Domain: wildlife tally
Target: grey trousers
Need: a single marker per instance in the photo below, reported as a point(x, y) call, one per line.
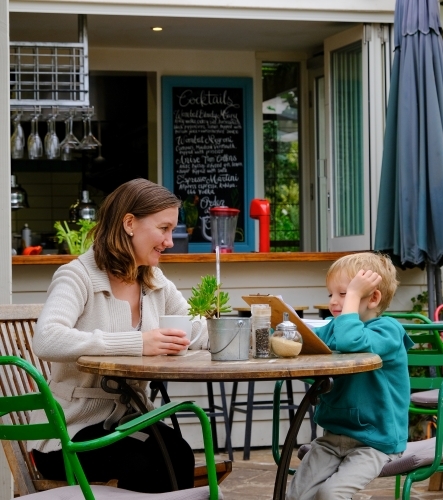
point(335, 468)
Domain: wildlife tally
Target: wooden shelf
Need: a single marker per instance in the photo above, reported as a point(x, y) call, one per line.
point(198, 257)
point(57, 260)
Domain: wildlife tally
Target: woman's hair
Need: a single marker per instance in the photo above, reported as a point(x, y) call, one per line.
point(113, 249)
point(379, 263)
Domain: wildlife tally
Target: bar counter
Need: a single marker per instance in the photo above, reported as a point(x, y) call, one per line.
point(299, 277)
point(198, 257)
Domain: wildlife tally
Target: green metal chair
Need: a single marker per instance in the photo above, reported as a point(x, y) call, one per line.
point(428, 356)
point(423, 458)
point(425, 383)
point(421, 330)
point(55, 428)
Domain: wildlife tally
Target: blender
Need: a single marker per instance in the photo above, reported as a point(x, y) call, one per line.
point(223, 227)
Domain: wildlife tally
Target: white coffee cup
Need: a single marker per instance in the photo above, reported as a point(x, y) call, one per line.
point(184, 323)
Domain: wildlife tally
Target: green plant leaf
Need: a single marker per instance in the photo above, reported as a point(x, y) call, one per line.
point(78, 241)
point(207, 300)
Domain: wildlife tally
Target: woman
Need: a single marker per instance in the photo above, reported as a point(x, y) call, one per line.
point(108, 302)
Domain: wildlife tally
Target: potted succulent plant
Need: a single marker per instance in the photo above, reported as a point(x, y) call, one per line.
point(207, 300)
point(228, 336)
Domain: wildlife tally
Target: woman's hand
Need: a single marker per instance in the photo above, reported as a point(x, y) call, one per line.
point(164, 341)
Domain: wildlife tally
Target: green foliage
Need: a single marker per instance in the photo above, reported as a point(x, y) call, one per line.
point(420, 303)
point(239, 234)
point(78, 241)
point(281, 80)
point(419, 371)
point(207, 300)
point(281, 171)
point(191, 211)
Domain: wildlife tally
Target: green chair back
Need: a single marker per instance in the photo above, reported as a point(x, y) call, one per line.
point(13, 428)
point(421, 329)
point(425, 359)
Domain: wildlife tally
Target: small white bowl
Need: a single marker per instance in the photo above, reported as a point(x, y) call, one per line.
point(315, 323)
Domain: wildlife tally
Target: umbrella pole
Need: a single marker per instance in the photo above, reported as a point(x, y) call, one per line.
point(430, 270)
point(438, 286)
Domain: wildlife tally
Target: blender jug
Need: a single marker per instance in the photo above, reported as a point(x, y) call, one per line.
point(223, 226)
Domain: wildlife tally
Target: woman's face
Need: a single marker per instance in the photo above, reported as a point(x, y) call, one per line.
point(151, 235)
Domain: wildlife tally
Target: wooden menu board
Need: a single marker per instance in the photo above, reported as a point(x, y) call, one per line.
point(311, 343)
point(208, 152)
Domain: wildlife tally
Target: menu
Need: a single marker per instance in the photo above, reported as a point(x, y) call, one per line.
point(208, 132)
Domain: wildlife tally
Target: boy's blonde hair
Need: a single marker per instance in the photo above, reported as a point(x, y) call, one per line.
point(379, 263)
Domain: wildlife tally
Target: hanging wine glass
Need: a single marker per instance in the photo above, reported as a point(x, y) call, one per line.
point(88, 141)
point(70, 142)
point(65, 147)
point(17, 139)
point(35, 146)
point(99, 158)
point(52, 143)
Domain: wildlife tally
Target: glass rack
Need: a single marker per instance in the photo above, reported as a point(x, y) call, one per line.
point(50, 74)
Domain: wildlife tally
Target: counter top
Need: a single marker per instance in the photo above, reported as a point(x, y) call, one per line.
point(58, 260)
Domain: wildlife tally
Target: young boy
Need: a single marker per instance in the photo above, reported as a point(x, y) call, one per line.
point(365, 416)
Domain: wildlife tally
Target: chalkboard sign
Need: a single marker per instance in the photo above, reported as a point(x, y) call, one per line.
point(207, 152)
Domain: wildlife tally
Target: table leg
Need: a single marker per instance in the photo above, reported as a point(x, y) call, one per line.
point(321, 385)
point(159, 386)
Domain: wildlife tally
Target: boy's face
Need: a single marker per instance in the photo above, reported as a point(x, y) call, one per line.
point(337, 286)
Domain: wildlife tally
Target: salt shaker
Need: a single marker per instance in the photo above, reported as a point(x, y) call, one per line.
point(286, 341)
point(261, 329)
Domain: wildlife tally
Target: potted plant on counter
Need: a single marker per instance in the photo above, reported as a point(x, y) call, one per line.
point(229, 337)
point(77, 241)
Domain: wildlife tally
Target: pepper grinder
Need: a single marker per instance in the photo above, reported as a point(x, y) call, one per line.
point(261, 329)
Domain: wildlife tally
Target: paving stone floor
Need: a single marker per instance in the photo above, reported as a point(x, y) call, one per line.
point(254, 480)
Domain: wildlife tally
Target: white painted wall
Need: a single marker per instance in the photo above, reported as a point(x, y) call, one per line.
point(299, 283)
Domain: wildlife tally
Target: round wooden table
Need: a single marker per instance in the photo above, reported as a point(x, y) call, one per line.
point(198, 366)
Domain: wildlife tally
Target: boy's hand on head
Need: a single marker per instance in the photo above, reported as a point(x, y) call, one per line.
point(364, 283)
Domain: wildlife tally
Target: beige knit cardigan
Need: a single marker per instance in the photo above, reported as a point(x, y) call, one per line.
point(82, 317)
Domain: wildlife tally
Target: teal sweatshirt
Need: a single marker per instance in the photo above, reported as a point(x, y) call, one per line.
point(371, 407)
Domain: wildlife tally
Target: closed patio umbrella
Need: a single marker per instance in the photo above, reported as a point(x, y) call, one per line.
point(410, 209)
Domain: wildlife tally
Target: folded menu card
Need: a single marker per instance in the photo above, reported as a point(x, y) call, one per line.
point(311, 343)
